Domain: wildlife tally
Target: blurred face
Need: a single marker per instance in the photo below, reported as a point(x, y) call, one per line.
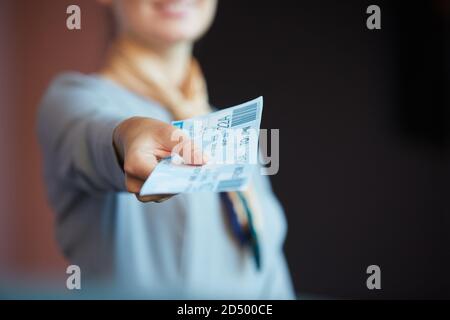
point(165, 22)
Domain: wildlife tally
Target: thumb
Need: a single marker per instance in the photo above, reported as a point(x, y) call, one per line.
point(178, 142)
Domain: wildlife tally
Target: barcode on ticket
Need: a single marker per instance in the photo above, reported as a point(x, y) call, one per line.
point(244, 115)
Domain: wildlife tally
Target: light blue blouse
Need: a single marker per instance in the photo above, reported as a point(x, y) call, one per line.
point(182, 248)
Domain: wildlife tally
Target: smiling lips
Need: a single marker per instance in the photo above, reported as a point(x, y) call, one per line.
point(175, 8)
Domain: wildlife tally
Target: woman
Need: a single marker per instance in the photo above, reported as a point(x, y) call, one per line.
point(101, 137)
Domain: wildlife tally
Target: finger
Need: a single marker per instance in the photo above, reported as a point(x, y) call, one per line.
point(133, 184)
point(178, 142)
point(140, 163)
point(161, 154)
point(154, 198)
point(169, 136)
point(192, 154)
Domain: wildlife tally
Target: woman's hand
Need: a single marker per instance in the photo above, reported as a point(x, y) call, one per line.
point(141, 142)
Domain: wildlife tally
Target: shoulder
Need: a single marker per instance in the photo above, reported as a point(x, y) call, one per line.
point(70, 95)
point(74, 83)
point(74, 89)
point(73, 94)
point(71, 90)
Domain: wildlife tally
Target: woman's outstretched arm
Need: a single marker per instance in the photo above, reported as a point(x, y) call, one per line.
point(96, 148)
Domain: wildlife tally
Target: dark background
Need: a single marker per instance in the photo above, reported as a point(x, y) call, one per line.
point(363, 128)
point(363, 119)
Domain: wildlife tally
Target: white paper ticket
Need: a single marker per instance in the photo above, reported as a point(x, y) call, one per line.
point(230, 139)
